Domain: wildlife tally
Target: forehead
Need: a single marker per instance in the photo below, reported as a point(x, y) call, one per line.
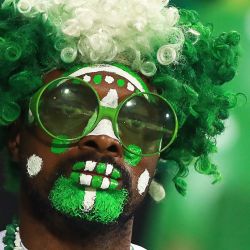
point(106, 77)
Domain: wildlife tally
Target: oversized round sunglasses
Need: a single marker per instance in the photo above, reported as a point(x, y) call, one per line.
point(69, 108)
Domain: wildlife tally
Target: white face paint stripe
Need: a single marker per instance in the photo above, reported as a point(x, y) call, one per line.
point(143, 182)
point(90, 165)
point(85, 179)
point(105, 183)
point(89, 199)
point(104, 127)
point(34, 165)
point(110, 100)
point(109, 169)
point(111, 69)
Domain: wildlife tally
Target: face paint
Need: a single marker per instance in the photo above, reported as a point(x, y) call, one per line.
point(109, 79)
point(87, 78)
point(143, 182)
point(89, 199)
point(105, 127)
point(97, 79)
point(92, 175)
point(130, 158)
point(130, 87)
point(87, 203)
point(132, 80)
point(30, 117)
point(34, 165)
point(111, 99)
point(59, 146)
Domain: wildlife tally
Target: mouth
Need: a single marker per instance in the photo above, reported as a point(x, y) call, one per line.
point(98, 175)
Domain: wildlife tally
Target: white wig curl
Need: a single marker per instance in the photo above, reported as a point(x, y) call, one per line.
point(138, 33)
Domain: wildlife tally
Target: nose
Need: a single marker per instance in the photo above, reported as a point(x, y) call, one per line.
point(102, 144)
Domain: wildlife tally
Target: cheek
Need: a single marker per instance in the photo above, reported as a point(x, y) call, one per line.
point(143, 173)
point(37, 157)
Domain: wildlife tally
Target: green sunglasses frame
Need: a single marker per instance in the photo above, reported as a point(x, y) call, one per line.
point(102, 112)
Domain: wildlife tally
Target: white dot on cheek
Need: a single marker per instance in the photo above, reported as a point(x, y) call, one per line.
point(143, 182)
point(34, 165)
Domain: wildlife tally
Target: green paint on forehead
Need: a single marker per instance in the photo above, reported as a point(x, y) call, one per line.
point(119, 69)
point(59, 146)
point(120, 82)
point(130, 158)
point(97, 79)
point(134, 74)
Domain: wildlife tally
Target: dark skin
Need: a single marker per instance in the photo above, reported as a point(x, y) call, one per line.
point(45, 228)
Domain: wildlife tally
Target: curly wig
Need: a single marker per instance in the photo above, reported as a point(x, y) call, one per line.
point(184, 60)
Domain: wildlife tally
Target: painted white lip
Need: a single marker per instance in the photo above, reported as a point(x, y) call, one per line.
point(106, 183)
point(90, 166)
point(99, 175)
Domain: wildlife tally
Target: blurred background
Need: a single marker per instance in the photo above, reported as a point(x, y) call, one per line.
point(210, 217)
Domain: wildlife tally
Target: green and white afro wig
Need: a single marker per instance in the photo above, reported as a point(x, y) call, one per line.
point(181, 56)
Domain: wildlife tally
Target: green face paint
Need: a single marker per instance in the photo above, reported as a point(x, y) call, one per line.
point(120, 82)
point(59, 146)
point(97, 79)
point(67, 197)
point(130, 158)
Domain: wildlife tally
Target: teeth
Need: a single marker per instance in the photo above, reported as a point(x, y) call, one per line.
point(109, 169)
point(90, 165)
point(85, 179)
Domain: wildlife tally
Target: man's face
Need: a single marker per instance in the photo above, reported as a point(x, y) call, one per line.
point(94, 179)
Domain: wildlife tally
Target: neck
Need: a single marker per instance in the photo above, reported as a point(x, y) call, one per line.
point(37, 234)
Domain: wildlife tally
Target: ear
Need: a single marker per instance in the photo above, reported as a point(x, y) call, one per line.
point(14, 141)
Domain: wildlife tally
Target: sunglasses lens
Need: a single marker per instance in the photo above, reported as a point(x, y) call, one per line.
point(148, 121)
point(66, 108)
